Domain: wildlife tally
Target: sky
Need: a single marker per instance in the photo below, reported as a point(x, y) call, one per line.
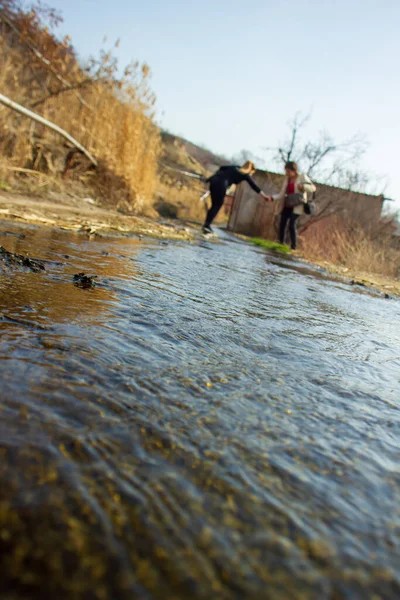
point(230, 75)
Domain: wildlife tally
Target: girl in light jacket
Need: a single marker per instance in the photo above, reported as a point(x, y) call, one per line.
point(294, 192)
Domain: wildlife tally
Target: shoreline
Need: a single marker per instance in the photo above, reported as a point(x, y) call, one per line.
point(376, 282)
point(69, 213)
point(85, 216)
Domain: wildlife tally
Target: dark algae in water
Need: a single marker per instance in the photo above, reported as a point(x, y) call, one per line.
point(11, 258)
point(84, 281)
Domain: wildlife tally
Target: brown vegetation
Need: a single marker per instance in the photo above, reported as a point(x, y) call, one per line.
point(372, 254)
point(179, 192)
point(109, 114)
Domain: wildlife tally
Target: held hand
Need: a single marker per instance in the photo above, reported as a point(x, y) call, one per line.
point(266, 197)
point(300, 187)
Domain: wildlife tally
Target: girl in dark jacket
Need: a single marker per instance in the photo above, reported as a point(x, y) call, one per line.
point(221, 181)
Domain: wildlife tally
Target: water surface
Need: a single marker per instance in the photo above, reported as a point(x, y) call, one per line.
point(209, 421)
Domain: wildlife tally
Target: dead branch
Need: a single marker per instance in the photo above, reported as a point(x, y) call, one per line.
point(28, 113)
point(60, 91)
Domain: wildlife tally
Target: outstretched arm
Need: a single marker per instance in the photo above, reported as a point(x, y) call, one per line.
point(252, 184)
point(281, 194)
point(256, 188)
point(265, 196)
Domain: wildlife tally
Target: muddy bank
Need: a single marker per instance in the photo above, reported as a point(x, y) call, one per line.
point(373, 281)
point(83, 214)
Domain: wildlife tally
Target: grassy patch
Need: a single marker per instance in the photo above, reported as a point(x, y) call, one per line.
point(268, 245)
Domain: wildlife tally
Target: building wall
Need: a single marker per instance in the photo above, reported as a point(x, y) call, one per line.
point(251, 214)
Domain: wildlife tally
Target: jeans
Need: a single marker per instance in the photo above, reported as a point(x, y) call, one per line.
point(288, 215)
point(217, 191)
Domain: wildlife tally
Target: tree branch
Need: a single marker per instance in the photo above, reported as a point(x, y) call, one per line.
point(60, 91)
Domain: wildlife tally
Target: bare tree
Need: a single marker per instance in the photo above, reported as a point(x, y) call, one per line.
point(325, 159)
point(287, 150)
point(331, 163)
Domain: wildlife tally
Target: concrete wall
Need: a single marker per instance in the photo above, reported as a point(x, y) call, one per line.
point(251, 214)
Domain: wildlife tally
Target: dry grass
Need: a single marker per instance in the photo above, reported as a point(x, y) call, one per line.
point(181, 199)
point(111, 115)
point(177, 194)
point(354, 248)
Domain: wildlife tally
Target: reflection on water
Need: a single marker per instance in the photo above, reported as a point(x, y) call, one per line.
point(49, 296)
point(206, 422)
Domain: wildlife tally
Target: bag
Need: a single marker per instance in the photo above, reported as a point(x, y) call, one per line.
point(292, 200)
point(310, 206)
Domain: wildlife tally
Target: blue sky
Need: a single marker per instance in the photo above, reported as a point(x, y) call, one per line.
point(231, 77)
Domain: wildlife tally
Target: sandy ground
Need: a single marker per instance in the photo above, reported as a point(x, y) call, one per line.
point(83, 215)
point(75, 214)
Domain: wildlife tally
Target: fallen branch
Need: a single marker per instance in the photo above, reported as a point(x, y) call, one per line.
point(28, 113)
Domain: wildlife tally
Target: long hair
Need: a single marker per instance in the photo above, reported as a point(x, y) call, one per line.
point(247, 168)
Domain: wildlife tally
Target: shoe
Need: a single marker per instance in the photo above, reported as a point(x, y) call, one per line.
point(207, 229)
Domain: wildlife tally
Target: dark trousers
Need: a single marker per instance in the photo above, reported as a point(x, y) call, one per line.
point(288, 215)
point(217, 192)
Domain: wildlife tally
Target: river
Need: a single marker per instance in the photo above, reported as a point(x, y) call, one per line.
point(210, 420)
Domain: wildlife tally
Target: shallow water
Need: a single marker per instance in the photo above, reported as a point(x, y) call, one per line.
point(210, 421)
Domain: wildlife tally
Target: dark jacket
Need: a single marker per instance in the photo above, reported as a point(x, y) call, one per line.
point(229, 175)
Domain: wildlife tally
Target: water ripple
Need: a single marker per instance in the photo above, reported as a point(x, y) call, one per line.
point(209, 421)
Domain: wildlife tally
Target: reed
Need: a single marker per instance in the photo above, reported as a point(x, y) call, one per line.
point(109, 110)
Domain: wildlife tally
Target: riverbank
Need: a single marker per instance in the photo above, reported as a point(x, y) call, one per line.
point(83, 214)
point(385, 285)
point(71, 213)
point(361, 278)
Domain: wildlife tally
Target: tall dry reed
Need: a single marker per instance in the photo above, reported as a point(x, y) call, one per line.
point(358, 249)
point(110, 113)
